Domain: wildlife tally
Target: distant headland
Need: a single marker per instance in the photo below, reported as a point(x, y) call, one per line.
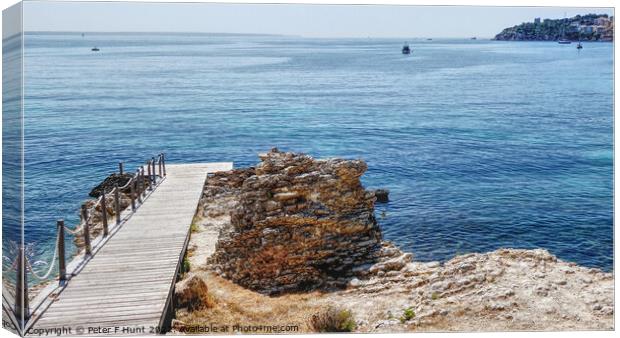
point(590, 27)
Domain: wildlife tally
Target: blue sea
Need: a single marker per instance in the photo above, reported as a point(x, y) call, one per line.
point(482, 144)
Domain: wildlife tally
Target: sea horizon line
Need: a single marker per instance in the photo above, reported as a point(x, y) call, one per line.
point(249, 34)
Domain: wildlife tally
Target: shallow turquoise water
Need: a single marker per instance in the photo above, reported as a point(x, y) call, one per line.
point(482, 144)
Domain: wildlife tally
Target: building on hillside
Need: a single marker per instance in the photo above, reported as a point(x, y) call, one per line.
point(587, 29)
point(602, 21)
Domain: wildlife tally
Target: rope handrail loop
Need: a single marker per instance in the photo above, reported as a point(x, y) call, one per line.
point(126, 184)
point(52, 264)
point(92, 214)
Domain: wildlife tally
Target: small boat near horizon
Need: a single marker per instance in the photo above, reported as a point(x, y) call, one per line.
point(406, 50)
point(94, 49)
point(563, 40)
point(579, 46)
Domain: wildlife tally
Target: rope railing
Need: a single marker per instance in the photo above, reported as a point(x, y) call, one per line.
point(52, 264)
point(138, 186)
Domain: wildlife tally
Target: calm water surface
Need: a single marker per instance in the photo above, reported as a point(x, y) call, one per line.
point(482, 144)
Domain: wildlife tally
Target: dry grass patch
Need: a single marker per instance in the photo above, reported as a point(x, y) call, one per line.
point(235, 305)
point(333, 319)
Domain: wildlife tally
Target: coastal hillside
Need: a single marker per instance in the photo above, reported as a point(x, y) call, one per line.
point(590, 27)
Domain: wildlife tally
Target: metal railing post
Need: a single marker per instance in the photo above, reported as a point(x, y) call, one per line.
point(163, 161)
point(86, 230)
point(159, 163)
point(154, 173)
point(120, 168)
point(22, 310)
point(143, 181)
point(148, 173)
point(62, 264)
point(104, 214)
point(139, 184)
point(132, 192)
point(117, 204)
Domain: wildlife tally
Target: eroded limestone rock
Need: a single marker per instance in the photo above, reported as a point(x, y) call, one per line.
point(297, 223)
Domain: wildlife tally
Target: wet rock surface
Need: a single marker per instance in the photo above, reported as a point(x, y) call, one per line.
point(297, 224)
point(382, 195)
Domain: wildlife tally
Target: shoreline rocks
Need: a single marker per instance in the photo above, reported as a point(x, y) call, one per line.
point(382, 195)
point(506, 289)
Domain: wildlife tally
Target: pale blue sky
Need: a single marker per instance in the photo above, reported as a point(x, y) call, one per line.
point(304, 20)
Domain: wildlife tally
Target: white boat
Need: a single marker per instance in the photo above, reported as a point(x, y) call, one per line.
point(563, 40)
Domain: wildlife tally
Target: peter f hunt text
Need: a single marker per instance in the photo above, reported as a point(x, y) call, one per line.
point(121, 330)
point(81, 330)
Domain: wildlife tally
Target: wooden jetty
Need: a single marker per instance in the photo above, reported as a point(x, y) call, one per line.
point(127, 284)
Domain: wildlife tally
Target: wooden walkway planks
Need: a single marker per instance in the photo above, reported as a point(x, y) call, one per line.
point(128, 282)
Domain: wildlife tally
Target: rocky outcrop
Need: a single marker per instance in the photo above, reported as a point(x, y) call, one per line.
point(382, 195)
point(297, 223)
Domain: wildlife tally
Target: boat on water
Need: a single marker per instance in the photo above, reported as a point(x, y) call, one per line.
point(406, 50)
point(579, 46)
point(94, 49)
point(474, 38)
point(563, 40)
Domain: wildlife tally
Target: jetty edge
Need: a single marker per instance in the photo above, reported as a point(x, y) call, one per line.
point(126, 278)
